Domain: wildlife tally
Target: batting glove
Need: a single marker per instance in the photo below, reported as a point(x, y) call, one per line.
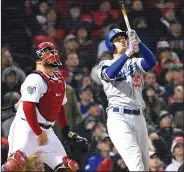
point(132, 48)
point(133, 37)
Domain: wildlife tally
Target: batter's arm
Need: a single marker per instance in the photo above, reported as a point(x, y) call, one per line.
point(149, 60)
point(109, 73)
point(116, 67)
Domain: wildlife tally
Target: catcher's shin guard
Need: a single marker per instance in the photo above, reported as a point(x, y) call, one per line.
point(72, 164)
point(66, 159)
point(60, 167)
point(17, 162)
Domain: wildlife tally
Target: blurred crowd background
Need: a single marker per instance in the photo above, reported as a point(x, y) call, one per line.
point(77, 28)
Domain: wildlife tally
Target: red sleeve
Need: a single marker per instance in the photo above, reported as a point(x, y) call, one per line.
point(62, 118)
point(29, 109)
point(4, 141)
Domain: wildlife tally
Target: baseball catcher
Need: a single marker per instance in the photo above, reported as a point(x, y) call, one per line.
point(43, 96)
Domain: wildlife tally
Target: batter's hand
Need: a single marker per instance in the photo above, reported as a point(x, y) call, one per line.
point(133, 37)
point(42, 138)
point(132, 48)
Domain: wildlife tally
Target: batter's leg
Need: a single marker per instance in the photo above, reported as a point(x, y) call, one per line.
point(123, 137)
point(143, 141)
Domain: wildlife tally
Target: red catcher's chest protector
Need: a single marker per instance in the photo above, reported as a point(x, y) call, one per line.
point(50, 104)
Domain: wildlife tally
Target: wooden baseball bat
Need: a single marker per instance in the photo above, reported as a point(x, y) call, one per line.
point(122, 6)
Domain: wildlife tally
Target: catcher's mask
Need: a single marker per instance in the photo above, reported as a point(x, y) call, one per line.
point(47, 52)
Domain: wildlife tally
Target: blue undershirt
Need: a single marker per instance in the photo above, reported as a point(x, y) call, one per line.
point(147, 63)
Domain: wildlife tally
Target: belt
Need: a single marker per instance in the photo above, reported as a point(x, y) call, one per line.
point(45, 126)
point(127, 111)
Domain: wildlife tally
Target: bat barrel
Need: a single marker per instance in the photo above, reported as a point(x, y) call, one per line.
point(124, 14)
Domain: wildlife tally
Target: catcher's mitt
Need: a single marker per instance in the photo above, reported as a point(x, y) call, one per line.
point(76, 146)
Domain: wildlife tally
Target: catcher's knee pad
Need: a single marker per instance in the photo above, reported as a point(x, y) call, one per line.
point(16, 162)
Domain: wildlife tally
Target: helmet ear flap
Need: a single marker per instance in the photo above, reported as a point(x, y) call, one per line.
point(111, 47)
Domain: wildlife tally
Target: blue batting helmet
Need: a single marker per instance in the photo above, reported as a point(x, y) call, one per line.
point(110, 36)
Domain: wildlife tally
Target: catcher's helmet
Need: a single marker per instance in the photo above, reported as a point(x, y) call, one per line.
point(47, 52)
point(110, 36)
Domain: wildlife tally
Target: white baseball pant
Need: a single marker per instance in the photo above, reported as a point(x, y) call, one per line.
point(129, 135)
point(22, 138)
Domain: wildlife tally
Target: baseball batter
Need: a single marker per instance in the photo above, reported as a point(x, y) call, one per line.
point(122, 80)
point(43, 96)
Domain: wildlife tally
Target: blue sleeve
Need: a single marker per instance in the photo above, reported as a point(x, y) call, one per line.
point(116, 67)
point(148, 61)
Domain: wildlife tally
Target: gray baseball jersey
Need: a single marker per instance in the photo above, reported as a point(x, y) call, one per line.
point(126, 88)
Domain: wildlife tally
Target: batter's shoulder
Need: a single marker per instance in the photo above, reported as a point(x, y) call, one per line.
point(105, 63)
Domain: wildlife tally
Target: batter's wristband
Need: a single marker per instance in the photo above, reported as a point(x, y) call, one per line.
point(65, 131)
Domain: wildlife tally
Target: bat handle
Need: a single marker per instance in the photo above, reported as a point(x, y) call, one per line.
point(127, 23)
point(126, 20)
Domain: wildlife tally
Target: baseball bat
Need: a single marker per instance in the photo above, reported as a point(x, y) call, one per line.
point(122, 6)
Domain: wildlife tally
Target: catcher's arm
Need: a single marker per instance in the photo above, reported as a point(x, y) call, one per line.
point(74, 144)
point(63, 123)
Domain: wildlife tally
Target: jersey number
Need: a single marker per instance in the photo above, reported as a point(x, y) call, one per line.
point(136, 81)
